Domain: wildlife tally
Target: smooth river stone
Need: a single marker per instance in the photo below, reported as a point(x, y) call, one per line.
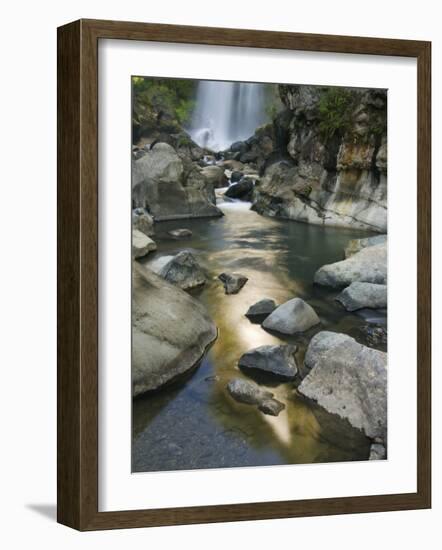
point(292, 317)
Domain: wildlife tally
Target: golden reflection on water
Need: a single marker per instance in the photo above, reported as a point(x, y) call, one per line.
point(262, 250)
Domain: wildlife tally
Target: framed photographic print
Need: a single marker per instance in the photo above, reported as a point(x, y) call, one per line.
point(243, 275)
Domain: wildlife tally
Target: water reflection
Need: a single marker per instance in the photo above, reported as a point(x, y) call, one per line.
point(197, 424)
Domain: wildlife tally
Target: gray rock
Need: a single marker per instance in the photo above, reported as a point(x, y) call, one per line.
point(359, 295)
point(161, 184)
point(233, 282)
point(183, 271)
point(377, 452)
point(262, 309)
point(350, 380)
point(246, 391)
point(276, 360)
point(180, 233)
point(142, 221)
point(162, 347)
point(356, 245)
point(161, 164)
point(367, 266)
point(271, 406)
point(141, 244)
point(240, 190)
point(292, 317)
point(215, 176)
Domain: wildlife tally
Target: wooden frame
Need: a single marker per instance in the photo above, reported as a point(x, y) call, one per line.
point(78, 274)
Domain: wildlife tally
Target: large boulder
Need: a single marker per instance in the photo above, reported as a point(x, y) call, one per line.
point(275, 360)
point(171, 187)
point(359, 295)
point(141, 244)
point(170, 331)
point(367, 266)
point(260, 310)
point(233, 282)
point(247, 392)
point(181, 270)
point(292, 317)
point(356, 245)
point(348, 379)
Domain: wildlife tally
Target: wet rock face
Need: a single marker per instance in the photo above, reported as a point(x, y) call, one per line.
point(275, 360)
point(348, 379)
point(367, 266)
point(163, 349)
point(292, 317)
point(141, 244)
point(359, 295)
point(233, 282)
point(246, 391)
point(171, 187)
point(338, 176)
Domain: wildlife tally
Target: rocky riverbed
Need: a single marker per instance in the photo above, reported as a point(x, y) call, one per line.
point(260, 293)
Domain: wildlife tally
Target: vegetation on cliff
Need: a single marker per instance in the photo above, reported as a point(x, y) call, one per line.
point(161, 103)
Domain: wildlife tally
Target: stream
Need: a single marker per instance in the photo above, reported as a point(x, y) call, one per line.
point(195, 423)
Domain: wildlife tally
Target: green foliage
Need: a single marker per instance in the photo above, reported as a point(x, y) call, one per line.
point(157, 100)
point(335, 110)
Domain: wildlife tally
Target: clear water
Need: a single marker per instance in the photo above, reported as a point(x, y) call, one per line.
point(196, 424)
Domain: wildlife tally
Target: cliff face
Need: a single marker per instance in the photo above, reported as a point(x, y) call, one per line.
point(335, 166)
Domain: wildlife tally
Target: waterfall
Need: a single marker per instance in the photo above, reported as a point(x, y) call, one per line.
point(226, 112)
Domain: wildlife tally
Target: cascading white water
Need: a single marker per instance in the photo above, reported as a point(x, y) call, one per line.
point(226, 112)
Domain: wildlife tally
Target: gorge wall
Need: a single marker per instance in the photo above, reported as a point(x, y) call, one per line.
point(328, 160)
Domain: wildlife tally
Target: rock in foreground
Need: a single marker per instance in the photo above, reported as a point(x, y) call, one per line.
point(359, 295)
point(183, 271)
point(292, 317)
point(262, 309)
point(348, 379)
point(164, 346)
point(141, 244)
point(250, 393)
point(233, 282)
point(367, 266)
point(276, 360)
